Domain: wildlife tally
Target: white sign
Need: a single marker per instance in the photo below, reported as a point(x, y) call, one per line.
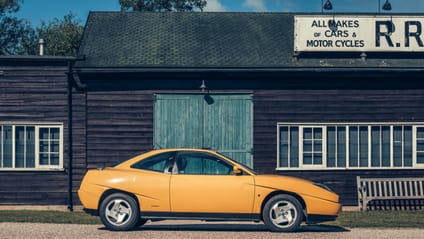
point(359, 33)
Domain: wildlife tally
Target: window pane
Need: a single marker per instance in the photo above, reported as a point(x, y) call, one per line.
point(363, 137)
point(54, 147)
point(155, 163)
point(318, 146)
point(420, 158)
point(331, 147)
point(317, 133)
point(54, 159)
point(19, 147)
point(341, 146)
point(307, 158)
point(317, 159)
point(7, 146)
point(215, 166)
point(420, 132)
point(307, 146)
point(353, 146)
point(407, 150)
point(294, 147)
point(307, 133)
point(420, 145)
point(284, 146)
point(30, 147)
point(54, 133)
point(44, 146)
point(375, 146)
point(190, 165)
point(44, 159)
point(44, 134)
point(397, 146)
point(385, 146)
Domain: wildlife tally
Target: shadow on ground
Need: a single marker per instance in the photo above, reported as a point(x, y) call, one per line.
point(230, 227)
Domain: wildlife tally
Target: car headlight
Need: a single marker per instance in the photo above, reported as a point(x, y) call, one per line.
point(323, 186)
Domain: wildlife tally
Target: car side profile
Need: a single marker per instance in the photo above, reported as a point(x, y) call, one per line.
point(201, 184)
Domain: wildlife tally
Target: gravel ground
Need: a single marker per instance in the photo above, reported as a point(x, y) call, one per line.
point(196, 229)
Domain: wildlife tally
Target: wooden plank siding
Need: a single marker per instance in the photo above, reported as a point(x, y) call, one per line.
point(330, 106)
point(34, 92)
point(119, 126)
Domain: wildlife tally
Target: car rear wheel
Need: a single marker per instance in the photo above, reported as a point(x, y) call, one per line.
point(282, 213)
point(119, 212)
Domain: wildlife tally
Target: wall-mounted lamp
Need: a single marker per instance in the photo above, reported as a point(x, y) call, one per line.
point(203, 86)
point(328, 5)
point(387, 6)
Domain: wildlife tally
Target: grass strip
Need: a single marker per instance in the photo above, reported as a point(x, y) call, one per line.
point(381, 219)
point(48, 217)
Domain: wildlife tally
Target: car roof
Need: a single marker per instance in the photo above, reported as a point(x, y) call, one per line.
point(139, 157)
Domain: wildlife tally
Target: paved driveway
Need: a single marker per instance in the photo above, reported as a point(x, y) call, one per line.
point(197, 229)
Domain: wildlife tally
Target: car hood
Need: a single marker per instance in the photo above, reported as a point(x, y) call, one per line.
point(292, 184)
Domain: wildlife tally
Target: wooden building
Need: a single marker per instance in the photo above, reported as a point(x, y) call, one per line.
point(34, 130)
point(240, 83)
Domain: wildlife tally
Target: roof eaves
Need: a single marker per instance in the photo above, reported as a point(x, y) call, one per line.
point(248, 69)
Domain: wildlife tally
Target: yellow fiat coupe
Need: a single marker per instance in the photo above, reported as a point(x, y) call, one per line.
point(201, 184)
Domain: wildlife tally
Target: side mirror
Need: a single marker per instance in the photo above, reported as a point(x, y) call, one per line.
point(237, 171)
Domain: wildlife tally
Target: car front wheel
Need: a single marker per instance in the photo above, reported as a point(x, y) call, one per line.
point(119, 212)
point(282, 213)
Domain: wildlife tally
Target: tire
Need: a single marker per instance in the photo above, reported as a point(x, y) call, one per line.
point(282, 213)
point(119, 212)
point(141, 222)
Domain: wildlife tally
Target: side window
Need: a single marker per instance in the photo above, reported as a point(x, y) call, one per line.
point(155, 163)
point(202, 164)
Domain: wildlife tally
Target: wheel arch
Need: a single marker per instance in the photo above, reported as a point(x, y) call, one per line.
point(112, 191)
point(282, 192)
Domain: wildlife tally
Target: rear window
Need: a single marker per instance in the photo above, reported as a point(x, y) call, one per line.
point(155, 163)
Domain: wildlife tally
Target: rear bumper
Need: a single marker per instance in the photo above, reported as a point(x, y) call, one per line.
point(88, 199)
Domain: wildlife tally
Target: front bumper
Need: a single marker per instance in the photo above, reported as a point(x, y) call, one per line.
point(315, 218)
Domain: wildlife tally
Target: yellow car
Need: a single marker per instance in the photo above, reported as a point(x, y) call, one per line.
point(201, 184)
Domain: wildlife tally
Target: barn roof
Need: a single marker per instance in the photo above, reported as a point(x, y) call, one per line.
point(134, 41)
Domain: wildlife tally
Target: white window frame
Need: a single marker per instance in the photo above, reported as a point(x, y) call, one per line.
point(323, 146)
point(37, 127)
point(301, 126)
point(414, 147)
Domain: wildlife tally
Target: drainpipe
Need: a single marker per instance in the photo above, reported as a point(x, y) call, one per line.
point(69, 95)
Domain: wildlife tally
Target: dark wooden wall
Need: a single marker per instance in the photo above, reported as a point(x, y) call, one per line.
point(31, 92)
point(326, 106)
point(119, 126)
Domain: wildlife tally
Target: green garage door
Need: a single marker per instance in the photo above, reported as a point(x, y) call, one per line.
point(218, 121)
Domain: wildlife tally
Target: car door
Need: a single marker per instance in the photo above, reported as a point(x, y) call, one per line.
point(204, 183)
point(151, 182)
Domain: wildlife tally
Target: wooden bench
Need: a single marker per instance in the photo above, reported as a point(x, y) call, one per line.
point(388, 189)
